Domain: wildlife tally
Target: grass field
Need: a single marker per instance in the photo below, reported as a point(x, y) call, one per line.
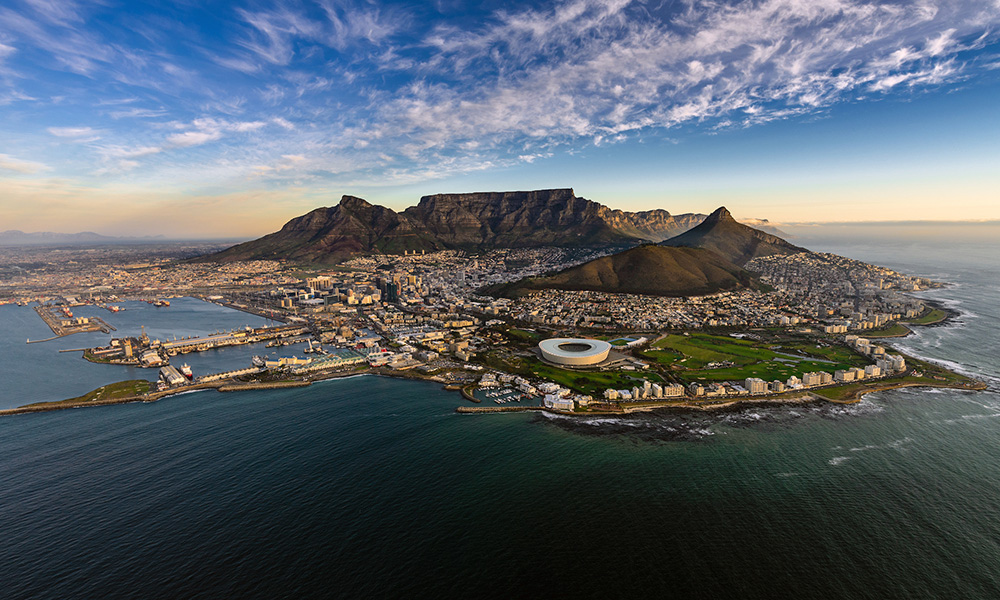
point(590, 382)
point(750, 358)
point(699, 349)
point(935, 316)
point(768, 371)
point(112, 391)
point(523, 336)
point(895, 330)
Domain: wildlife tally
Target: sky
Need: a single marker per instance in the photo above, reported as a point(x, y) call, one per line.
point(210, 118)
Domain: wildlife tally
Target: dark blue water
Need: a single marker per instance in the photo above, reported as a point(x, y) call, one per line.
point(371, 487)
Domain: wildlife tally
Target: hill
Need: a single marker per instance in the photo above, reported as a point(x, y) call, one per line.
point(475, 221)
point(648, 269)
point(735, 242)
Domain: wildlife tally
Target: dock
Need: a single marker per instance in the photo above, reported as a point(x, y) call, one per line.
point(61, 326)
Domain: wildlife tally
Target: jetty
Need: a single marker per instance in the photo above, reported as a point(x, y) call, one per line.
point(497, 409)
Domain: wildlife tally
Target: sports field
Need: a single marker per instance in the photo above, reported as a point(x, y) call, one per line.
point(689, 356)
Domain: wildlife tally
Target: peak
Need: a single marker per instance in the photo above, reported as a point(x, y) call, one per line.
point(353, 202)
point(720, 214)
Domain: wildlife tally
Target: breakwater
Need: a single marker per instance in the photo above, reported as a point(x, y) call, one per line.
point(497, 409)
point(267, 385)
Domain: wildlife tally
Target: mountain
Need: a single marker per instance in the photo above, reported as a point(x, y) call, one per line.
point(538, 218)
point(735, 242)
point(475, 221)
point(653, 225)
point(648, 269)
point(330, 234)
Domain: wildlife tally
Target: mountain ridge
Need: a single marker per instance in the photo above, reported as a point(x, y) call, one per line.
point(470, 221)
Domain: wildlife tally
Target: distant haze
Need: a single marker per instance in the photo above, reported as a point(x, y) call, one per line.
point(903, 231)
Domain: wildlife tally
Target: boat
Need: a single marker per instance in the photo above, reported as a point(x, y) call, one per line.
point(186, 371)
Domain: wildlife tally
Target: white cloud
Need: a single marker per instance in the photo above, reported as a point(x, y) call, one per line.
point(138, 152)
point(17, 165)
point(193, 138)
point(587, 69)
point(248, 126)
point(73, 132)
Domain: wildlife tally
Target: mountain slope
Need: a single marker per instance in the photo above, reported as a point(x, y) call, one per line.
point(649, 269)
point(733, 241)
point(330, 234)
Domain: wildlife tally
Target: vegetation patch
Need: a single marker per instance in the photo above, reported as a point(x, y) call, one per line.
point(935, 316)
point(894, 330)
point(112, 391)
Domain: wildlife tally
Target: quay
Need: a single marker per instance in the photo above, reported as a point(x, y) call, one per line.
point(68, 326)
point(269, 385)
point(250, 310)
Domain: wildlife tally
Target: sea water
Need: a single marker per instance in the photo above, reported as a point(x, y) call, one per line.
point(373, 487)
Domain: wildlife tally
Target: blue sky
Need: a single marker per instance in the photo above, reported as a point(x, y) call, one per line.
point(201, 118)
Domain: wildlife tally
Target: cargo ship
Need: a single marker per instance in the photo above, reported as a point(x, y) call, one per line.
point(186, 371)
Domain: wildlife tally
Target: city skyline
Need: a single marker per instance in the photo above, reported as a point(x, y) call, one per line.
point(227, 121)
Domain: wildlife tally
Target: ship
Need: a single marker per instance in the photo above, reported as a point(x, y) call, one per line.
point(257, 361)
point(114, 309)
point(186, 371)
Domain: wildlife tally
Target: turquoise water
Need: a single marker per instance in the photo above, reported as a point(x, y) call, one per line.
point(372, 487)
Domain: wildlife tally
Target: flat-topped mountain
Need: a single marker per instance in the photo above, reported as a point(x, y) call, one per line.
point(476, 221)
point(733, 241)
point(648, 269)
point(539, 218)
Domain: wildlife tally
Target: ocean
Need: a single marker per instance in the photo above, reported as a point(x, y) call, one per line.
point(374, 487)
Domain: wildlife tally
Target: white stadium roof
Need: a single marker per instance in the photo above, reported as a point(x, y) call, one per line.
point(574, 351)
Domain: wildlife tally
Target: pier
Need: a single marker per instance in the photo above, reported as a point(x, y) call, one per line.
point(68, 326)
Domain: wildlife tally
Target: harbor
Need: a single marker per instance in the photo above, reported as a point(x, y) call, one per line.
point(62, 322)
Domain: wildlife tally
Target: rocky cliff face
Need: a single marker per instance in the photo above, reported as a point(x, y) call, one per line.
point(654, 225)
point(476, 221)
point(515, 219)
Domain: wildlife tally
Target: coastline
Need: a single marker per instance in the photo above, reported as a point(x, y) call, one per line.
point(797, 397)
point(704, 406)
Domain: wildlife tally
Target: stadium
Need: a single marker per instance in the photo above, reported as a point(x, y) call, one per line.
point(574, 352)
